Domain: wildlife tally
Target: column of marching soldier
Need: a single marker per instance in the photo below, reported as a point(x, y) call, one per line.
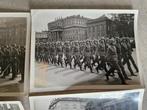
point(109, 55)
point(12, 60)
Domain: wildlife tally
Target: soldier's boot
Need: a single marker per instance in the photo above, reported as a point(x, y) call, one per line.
point(85, 66)
point(123, 71)
point(13, 77)
point(107, 78)
point(66, 64)
point(111, 70)
point(121, 77)
point(65, 61)
point(131, 71)
point(58, 62)
point(80, 67)
point(61, 64)
point(70, 65)
point(22, 78)
point(125, 76)
point(75, 64)
point(134, 64)
point(97, 69)
point(55, 61)
point(91, 70)
point(136, 68)
point(93, 64)
point(3, 76)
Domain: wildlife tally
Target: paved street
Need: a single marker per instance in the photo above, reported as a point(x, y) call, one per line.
point(58, 78)
point(7, 85)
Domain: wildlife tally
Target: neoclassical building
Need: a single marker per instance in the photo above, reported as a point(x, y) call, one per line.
point(69, 28)
point(76, 28)
point(100, 27)
point(13, 31)
point(41, 36)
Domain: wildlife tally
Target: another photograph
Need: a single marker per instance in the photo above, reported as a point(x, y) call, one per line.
point(14, 52)
point(75, 49)
point(117, 100)
point(11, 105)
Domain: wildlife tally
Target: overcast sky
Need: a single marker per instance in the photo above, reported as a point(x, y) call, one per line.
point(40, 18)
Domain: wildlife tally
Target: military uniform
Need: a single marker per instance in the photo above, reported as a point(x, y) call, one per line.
point(13, 62)
point(125, 56)
point(53, 54)
point(60, 55)
point(119, 53)
point(87, 59)
point(112, 58)
point(76, 56)
point(67, 52)
point(102, 59)
point(22, 62)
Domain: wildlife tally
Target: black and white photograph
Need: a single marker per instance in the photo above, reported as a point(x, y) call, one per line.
point(117, 100)
point(14, 40)
point(80, 49)
point(11, 105)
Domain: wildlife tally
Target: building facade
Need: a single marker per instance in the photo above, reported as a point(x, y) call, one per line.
point(70, 28)
point(100, 27)
point(13, 31)
point(77, 28)
point(41, 36)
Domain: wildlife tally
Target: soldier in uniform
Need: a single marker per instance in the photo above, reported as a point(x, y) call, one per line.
point(112, 58)
point(53, 53)
point(13, 61)
point(102, 56)
point(76, 55)
point(95, 53)
point(67, 52)
point(125, 56)
point(87, 58)
point(130, 54)
point(22, 62)
point(46, 53)
point(6, 62)
point(59, 51)
point(119, 53)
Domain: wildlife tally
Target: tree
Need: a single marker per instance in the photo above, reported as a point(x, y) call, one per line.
point(124, 24)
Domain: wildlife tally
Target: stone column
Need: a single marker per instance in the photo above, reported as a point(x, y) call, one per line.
point(58, 36)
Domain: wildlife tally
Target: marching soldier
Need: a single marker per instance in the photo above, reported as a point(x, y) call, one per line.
point(59, 51)
point(53, 53)
point(112, 58)
point(130, 49)
point(13, 61)
point(119, 53)
point(6, 63)
point(87, 59)
point(22, 62)
point(76, 55)
point(68, 55)
point(102, 56)
point(125, 56)
point(95, 53)
point(110, 55)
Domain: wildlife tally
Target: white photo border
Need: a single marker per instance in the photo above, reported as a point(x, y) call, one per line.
point(33, 99)
point(97, 87)
point(27, 51)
